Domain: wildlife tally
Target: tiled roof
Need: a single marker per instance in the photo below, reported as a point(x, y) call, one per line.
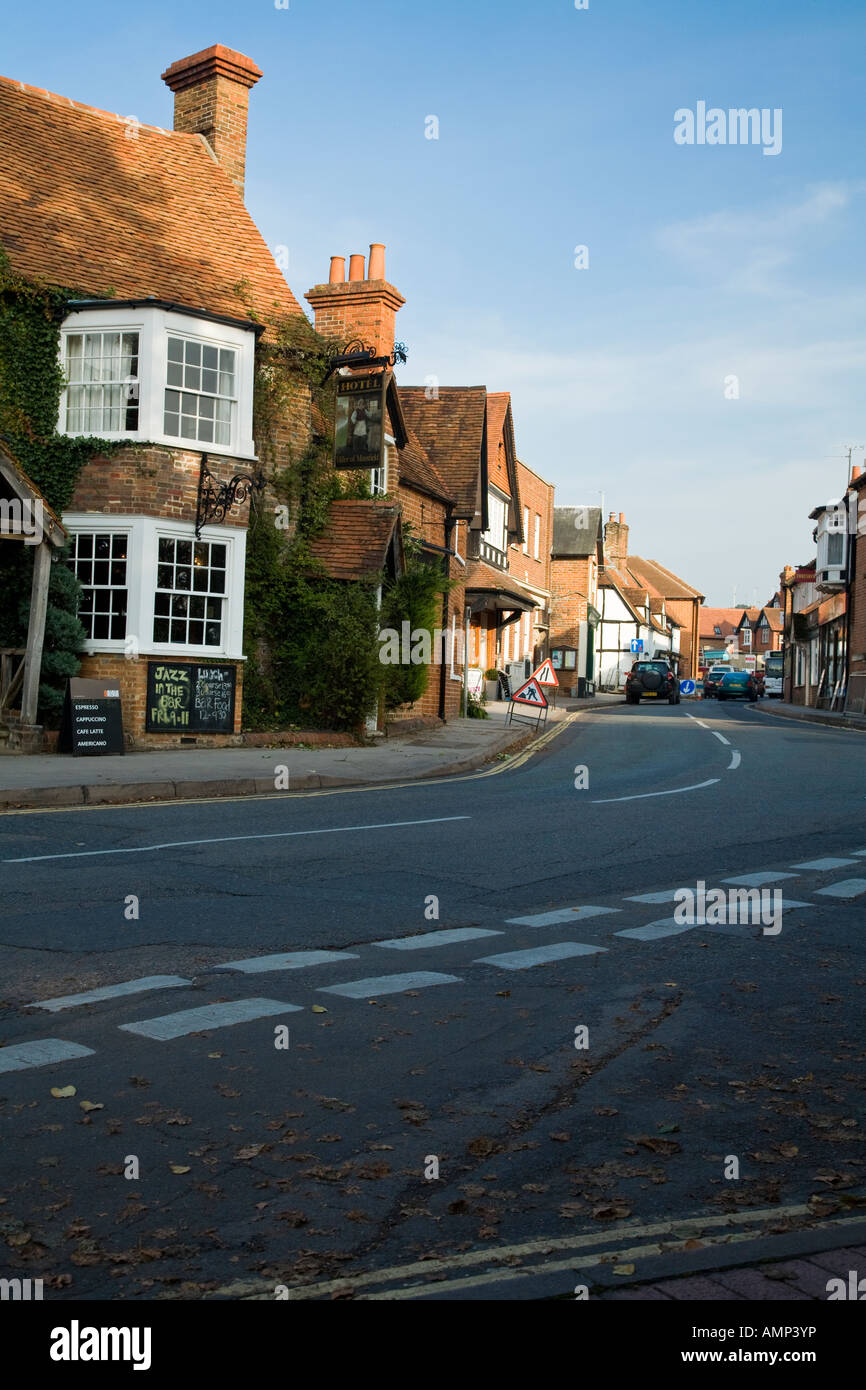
point(571, 539)
point(775, 618)
point(708, 618)
point(482, 576)
point(660, 580)
point(114, 209)
point(416, 470)
point(450, 430)
point(355, 543)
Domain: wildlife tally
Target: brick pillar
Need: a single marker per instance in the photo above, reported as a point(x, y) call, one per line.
point(211, 96)
point(358, 307)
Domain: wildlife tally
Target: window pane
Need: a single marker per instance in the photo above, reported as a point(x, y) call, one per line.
point(175, 349)
point(165, 576)
point(218, 556)
point(160, 629)
point(184, 552)
point(174, 375)
point(210, 357)
point(193, 353)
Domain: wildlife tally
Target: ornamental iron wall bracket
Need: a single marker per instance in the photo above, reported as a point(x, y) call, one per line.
point(360, 354)
point(215, 499)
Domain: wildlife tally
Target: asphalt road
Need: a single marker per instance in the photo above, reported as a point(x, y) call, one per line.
point(300, 1147)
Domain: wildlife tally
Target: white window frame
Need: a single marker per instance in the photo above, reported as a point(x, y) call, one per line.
point(154, 328)
point(379, 476)
point(746, 635)
point(144, 534)
point(501, 543)
point(103, 525)
point(536, 549)
point(526, 530)
point(456, 630)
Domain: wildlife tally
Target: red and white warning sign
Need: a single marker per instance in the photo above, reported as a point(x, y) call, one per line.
point(545, 675)
point(530, 694)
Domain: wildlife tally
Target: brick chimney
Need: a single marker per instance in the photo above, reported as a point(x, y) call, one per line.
point(211, 95)
point(365, 306)
point(616, 541)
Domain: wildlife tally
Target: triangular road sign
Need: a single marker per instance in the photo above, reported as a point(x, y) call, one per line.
point(545, 675)
point(530, 694)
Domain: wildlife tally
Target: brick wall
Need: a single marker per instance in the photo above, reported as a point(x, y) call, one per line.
point(572, 587)
point(130, 677)
point(365, 309)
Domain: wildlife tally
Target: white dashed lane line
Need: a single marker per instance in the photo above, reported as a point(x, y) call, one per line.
point(848, 888)
point(643, 796)
point(540, 955)
point(40, 1054)
point(736, 759)
point(390, 984)
point(288, 960)
point(721, 738)
point(207, 1017)
point(757, 880)
point(563, 914)
point(435, 938)
point(823, 864)
point(94, 996)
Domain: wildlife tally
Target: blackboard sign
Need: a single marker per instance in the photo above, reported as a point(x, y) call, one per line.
point(92, 724)
point(190, 697)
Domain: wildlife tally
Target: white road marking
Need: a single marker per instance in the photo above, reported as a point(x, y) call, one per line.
point(666, 897)
point(540, 955)
point(697, 721)
point(390, 984)
point(290, 960)
point(848, 888)
point(233, 839)
point(92, 996)
point(40, 1054)
point(860, 852)
point(563, 914)
point(721, 738)
point(653, 931)
point(736, 759)
point(207, 1017)
point(757, 880)
point(822, 864)
point(641, 796)
point(435, 938)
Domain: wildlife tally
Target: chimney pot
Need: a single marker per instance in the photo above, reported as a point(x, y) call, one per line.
point(356, 267)
point(612, 516)
point(338, 270)
point(855, 471)
point(621, 518)
point(377, 261)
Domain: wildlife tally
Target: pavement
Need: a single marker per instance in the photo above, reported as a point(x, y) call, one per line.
point(806, 714)
point(447, 1038)
point(460, 746)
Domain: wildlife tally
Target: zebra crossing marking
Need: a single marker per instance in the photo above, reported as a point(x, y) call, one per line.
point(287, 960)
point(822, 864)
point(390, 984)
point(209, 1016)
point(41, 1053)
point(94, 996)
point(563, 914)
point(540, 955)
point(848, 888)
point(435, 938)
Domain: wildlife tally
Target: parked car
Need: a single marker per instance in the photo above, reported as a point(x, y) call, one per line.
point(738, 685)
point(652, 680)
point(713, 679)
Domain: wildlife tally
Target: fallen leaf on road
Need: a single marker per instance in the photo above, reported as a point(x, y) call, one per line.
point(214, 1054)
point(178, 1168)
point(560, 1138)
point(483, 1147)
point(605, 1110)
point(788, 1150)
point(91, 1105)
point(503, 994)
point(623, 1269)
point(251, 1151)
point(318, 1009)
point(668, 1129)
point(657, 1145)
point(611, 1211)
point(62, 1092)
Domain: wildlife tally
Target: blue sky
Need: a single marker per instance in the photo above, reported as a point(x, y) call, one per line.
point(556, 130)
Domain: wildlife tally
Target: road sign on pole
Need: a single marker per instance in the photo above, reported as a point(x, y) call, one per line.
point(637, 645)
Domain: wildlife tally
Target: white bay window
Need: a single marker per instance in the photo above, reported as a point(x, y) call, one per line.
point(149, 585)
point(158, 375)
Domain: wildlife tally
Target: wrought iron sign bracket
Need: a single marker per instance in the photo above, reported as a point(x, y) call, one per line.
point(358, 354)
point(215, 499)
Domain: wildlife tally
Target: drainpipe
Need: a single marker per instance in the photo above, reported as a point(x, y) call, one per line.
point(465, 696)
point(446, 570)
point(372, 720)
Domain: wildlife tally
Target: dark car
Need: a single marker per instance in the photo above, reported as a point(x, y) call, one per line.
point(712, 681)
point(738, 685)
point(652, 680)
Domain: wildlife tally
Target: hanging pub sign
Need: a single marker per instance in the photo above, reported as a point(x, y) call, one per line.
point(92, 721)
point(359, 434)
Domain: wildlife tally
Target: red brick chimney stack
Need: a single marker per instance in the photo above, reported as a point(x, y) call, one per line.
point(365, 306)
point(211, 97)
point(616, 541)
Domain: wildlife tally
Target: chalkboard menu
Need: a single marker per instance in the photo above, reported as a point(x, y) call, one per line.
point(189, 697)
point(92, 723)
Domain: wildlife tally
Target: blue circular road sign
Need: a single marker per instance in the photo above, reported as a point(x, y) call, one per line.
point(687, 687)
